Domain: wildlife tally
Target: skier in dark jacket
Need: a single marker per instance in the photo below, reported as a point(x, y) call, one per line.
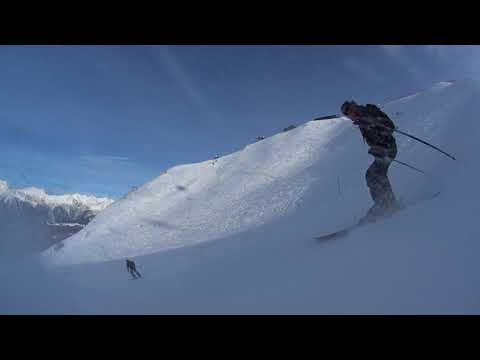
point(132, 269)
point(377, 131)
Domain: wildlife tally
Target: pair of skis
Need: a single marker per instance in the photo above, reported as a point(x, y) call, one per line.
point(346, 231)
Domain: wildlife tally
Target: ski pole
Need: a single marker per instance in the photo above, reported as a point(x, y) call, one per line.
point(424, 142)
point(327, 117)
point(410, 166)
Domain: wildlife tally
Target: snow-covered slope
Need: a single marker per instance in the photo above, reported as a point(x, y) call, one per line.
point(321, 162)
point(205, 201)
point(32, 220)
point(236, 236)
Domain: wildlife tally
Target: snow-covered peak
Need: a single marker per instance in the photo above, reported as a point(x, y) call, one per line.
point(39, 196)
point(432, 89)
point(32, 220)
point(3, 186)
point(440, 85)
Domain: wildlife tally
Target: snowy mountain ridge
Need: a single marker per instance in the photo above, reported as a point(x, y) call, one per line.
point(32, 220)
point(36, 196)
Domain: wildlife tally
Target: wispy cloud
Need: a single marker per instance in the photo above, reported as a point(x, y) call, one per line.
point(460, 61)
point(363, 68)
point(439, 51)
point(394, 50)
point(104, 159)
point(166, 57)
point(105, 164)
point(399, 54)
point(112, 175)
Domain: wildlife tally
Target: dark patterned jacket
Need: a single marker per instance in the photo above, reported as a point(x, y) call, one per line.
point(377, 130)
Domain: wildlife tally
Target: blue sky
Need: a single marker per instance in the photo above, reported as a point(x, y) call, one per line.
point(101, 119)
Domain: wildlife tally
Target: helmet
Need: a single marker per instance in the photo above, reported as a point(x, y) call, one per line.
point(346, 105)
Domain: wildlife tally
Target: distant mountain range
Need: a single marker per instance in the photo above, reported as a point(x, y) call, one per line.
point(32, 220)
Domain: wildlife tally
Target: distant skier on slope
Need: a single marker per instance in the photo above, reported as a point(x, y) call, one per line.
point(132, 269)
point(375, 128)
